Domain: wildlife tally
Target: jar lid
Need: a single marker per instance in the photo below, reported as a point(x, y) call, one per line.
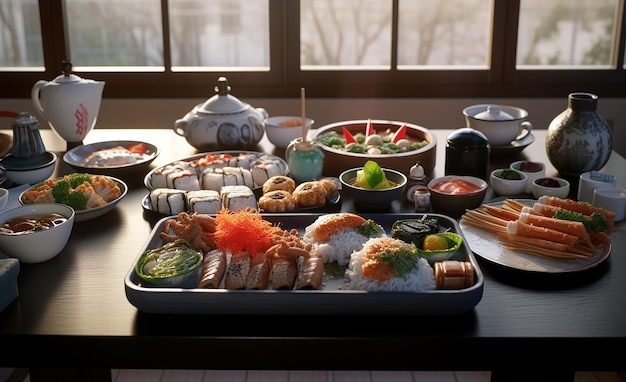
point(494, 113)
point(222, 102)
point(467, 138)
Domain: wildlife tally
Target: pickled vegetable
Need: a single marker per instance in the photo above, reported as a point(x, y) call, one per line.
point(176, 263)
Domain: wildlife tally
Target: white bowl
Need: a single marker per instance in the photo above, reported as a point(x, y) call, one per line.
point(281, 132)
point(89, 213)
point(455, 204)
point(508, 187)
point(369, 199)
point(23, 171)
point(501, 127)
point(532, 175)
point(37, 246)
point(539, 190)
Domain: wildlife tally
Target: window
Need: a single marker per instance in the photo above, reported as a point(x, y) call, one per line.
point(347, 48)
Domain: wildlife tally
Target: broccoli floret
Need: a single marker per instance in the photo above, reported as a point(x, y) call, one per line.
point(595, 223)
point(62, 193)
point(77, 200)
point(76, 179)
point(60, 190)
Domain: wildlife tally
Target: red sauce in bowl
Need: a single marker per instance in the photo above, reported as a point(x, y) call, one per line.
point(456, 187)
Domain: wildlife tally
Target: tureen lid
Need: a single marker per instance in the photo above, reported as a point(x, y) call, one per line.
point(222, 102)
point(494, 113)
point(67, 77)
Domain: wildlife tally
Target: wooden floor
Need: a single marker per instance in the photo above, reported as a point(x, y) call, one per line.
point(132, 375)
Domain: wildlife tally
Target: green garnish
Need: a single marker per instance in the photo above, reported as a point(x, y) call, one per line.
point(594, 223)
point(370, 228)
point(373, 173)
point(63, 192)
point(402, 259)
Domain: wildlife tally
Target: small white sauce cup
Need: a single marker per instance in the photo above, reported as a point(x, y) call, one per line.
point(611, 199)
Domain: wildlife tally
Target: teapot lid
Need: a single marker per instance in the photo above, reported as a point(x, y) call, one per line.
point(222, 102)
point(467, 138)
point(494, 113)
point(67, 77)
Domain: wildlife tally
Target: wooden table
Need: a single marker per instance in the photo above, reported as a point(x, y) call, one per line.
point(72, 311)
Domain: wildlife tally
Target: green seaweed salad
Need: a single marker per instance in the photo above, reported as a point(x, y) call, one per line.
point(384, 145)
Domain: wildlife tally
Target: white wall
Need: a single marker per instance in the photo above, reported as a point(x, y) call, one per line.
point(430, 113)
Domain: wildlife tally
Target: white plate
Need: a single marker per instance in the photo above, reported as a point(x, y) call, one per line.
point(486, 245)
point(77, 155)
point(515, 146)
point(147, 180)
point(91, 213)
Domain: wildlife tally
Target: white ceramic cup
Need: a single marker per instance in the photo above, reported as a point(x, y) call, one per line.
point(611, 199)
point(589, 181)
point(500, 131)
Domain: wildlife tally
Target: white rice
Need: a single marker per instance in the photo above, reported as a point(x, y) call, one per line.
point(418, 280)
point(340, 246)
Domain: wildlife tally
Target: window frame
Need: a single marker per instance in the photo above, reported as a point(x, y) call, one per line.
point(285, 78)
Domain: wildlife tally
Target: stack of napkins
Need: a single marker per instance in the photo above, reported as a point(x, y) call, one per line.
point(9, 269)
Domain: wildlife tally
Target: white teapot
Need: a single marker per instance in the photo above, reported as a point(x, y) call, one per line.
point(222, 121)
point(69, 103)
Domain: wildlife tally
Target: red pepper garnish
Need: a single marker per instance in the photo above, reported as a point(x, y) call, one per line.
point(399, 134)
point(348, 136)
point(139, 148)
point(369, 130)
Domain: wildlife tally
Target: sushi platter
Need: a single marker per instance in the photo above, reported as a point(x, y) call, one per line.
point(333, 298)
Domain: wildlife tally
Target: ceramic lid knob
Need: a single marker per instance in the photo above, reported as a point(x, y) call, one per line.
point(494, 113)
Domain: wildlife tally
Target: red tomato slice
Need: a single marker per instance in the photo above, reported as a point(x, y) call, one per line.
point(139, 148)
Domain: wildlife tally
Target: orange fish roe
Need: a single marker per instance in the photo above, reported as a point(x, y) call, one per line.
point(243, 231)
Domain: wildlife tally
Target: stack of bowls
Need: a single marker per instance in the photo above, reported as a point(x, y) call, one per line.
point(29, 162)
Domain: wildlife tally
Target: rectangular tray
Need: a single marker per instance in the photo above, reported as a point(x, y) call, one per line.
point(330, 300)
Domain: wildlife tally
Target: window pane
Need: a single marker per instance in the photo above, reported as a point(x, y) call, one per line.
point(20, 34)
point(346, 34)
point(562, 33)
point(219, 33)
point(115, 33)
point(444, 33)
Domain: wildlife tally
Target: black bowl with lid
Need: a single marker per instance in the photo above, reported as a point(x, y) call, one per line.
point(467, 153)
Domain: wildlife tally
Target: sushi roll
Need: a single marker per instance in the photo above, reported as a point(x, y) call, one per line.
point(237, 198)
point(183, 180)
point(213, 269)
point(168, 201)
point(237, 271)
point(259, 274)
point(310, 272)
point(204, 201)
point(211, 179)
point(284, 272)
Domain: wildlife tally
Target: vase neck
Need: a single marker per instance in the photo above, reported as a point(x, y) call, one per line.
point(582, 101)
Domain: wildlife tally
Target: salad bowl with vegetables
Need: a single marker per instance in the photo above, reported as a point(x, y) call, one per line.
point(392, 144)
point(371, 187)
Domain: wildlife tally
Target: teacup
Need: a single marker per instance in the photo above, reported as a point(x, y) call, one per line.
point(501, 124)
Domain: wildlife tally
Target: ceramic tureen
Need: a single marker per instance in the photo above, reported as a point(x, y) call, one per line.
point(223, 121)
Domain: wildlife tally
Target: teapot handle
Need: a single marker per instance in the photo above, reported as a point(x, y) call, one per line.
point(34, 95)
point(263, 112)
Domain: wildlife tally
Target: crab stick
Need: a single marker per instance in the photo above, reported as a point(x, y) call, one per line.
point(536, 232)
point(566, 226)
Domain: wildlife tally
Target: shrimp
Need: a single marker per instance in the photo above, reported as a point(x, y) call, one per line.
point(335, 223)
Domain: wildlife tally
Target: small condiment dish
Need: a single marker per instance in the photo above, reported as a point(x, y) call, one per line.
point(281, 130)
point(29, 170)
point(533, 170)
point(454, 243)
point(448, 199)
point(367, 199)
point(550, 186)
point(508, 182)
point(40, 245)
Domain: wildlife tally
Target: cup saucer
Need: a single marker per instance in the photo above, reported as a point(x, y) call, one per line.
point(515, 146)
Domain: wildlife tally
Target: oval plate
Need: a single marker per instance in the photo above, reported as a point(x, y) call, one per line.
point(147, 180)
point(90, 213)
point(487, 246)
point(76, 156)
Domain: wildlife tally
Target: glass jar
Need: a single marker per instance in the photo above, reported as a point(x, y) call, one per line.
point(305, 160)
